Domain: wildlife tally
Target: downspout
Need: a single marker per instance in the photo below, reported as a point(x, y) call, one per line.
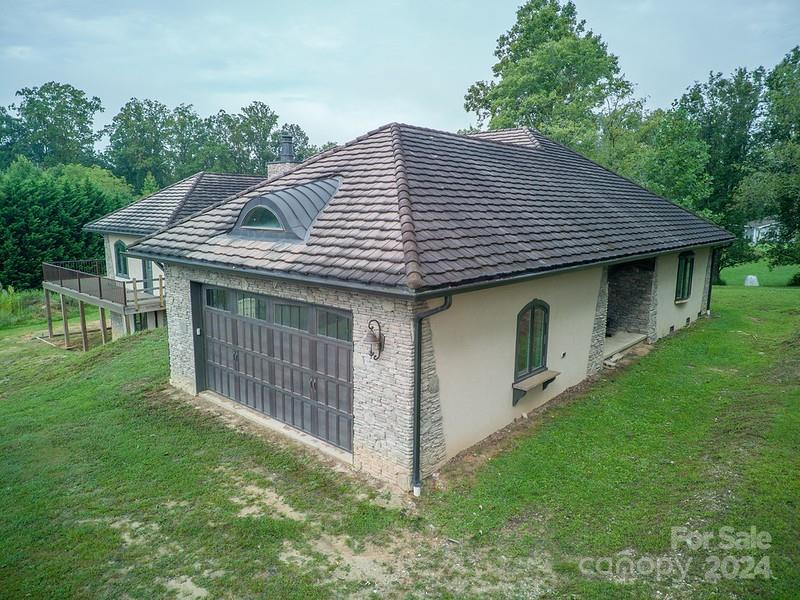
point(416, 474)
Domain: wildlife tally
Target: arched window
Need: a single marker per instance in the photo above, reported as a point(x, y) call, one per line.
point(120, 258)
point(531, 352)
point(262, 218)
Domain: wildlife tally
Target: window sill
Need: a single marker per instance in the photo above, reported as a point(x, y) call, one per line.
point(523, 386)
point(684, 301)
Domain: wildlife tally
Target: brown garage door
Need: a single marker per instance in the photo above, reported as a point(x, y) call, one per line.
point(289, 360)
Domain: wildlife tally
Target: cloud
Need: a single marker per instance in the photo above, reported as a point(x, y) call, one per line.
point(17, 52)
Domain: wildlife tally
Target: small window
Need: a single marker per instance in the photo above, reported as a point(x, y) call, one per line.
point(683, 288)
point(252, 307)
point(262, 218)
point(531, 351)
point(334, 325)
point(217, 298)
point(120, 258)
point(291, 315)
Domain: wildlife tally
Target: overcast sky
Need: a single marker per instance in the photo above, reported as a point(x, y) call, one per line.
point(342, 68)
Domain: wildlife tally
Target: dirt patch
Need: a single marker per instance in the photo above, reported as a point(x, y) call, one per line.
point(185, 588)
point(257, 501)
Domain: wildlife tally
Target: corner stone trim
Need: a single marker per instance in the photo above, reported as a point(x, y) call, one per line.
point(599, 328)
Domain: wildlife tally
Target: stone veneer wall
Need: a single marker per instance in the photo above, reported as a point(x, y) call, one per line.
point(383, 389)
point(631, 296)
point(599, 330)
point(433, 443)
point(652, 315)
point(707, 280)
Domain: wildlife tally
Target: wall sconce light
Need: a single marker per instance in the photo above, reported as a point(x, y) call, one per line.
point(375, 339)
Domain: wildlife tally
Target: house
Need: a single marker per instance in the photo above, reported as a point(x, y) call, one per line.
point(760, 230)
point(401, 297)
point(133, 291)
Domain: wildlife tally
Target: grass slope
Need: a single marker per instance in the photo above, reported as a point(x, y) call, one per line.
point(776, 277)
point(112, 487)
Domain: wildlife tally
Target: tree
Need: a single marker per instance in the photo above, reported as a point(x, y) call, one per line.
point(553, 74)
point(677, 158)
point(55, 124)
point(150, 185)
point(139, 142)
point(726, 110)
point(10, 133)
point(43, 211)
point(188, 139)
point(782, 162)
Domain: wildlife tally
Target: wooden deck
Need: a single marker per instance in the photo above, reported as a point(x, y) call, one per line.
point(86, 282)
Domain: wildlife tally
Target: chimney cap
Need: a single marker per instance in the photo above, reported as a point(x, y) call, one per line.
point(286, 150)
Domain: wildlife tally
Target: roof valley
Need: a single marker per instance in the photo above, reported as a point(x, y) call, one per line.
point(180, 205)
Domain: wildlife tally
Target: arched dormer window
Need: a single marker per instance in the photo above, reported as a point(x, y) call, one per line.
point(285, 215)
point(120, 259)
point(261, 217)
point(531, 351)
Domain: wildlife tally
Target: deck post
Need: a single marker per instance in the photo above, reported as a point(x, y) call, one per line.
point(135, 296)
point(64, 321)
point(84, 333)
point(103, 330)
point(49, 313)
point(127, 324)
point(161, 290)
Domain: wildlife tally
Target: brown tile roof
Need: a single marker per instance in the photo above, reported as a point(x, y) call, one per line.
point(420, 209)
point(173, 203)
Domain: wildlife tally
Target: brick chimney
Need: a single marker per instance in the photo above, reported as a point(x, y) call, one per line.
point(286, 158)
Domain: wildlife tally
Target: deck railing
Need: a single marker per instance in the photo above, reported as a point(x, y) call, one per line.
point(88, 277)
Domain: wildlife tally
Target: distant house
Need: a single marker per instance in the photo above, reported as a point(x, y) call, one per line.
point(760, 230)
point(401, 297)
point(131, 293)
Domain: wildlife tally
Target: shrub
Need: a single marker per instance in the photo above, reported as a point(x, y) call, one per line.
point(795, 280)
point(17, 307)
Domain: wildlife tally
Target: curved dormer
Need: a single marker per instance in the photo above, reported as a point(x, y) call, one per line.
point(287, 214)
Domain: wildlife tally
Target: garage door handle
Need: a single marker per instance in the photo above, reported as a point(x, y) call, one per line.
point(314, 383)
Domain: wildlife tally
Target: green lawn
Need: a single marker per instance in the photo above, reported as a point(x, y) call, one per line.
point(113, 486)
point(777, 277)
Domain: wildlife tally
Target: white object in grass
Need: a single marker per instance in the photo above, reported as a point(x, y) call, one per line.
point(751, 281)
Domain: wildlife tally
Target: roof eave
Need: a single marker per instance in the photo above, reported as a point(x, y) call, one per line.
point(330, 282)
point(446, 290)
point(119, 230)
point(422, 293)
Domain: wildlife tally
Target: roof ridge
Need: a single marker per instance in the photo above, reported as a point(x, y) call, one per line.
point(177, 210)
point(473, 138)
point(407, 232)
point(121, 208)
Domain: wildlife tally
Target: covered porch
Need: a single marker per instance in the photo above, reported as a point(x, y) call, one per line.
point(631, 312)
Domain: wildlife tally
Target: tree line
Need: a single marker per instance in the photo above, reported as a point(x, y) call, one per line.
point(54, 179)
point(727, 148)
point(148, 144)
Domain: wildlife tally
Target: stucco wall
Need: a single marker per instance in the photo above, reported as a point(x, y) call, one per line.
point(383, 389)
point(134, 271)
point(474, 343)
point(134, 264)
point(669, 313)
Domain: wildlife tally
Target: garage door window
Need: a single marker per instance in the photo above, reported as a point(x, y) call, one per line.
point(252, 307)
point(333, 325)
point(291, 315)
point(217, 298)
